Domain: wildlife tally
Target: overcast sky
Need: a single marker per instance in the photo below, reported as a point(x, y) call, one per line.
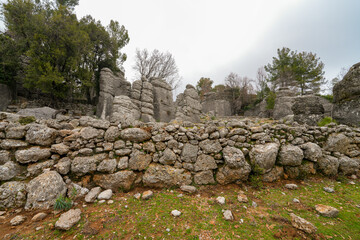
point(211, 38)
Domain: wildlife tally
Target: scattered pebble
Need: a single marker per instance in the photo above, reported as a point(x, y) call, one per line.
point(358, 206)
point(242, 198)
point(68, 219)
point(175, 213)
point(302, 224)
point(326, 211)
point(241, 221)
point(137, 196)
point(105, 195)
point(329, 189)
point(228, 215)
point(38, 228)
point(39, 217)
point(126, 206)
point(84, 206)
point(101, 201)
point(283, 193)
point(352, 182)
point(18, 210)
point(353, 177)
point(295, 200)
point(291, 186)
point(254, 204)
point(180, 195)
point(168, 229)
point(17, 220)
point(147, 195)
point(110, 201)
point(188, 189)
point(220, 200)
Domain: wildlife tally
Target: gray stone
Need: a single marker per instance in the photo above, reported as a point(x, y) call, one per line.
point(107, 165)
point(291, 186)
point(327, 211)
point(227, 175)
point(161, 176)
point(139, 161)
point(168, 157)
point(38, 217)
point(88, 133)
point(274, 175)
point(12, 195)
point(38, 113)
point(234, 157)
point(17, 220)
point(15, 131)
point(7, 144)
point(147, 195)
point(290, 155)
point(33, 154)
point(329, 189)
point(112, 134)
point(264, 156)
point(92, 195)
point(135, 135)
point(105, 195)
point(175, 213)
point(308, 109)
point(189, 153)
point(123, 163)
point(337, 143)
point(124, 111)
point(328, 165)
point(204, 177)
point(302, 224)
point(188, 189)
point(63, 166)
point(4, 156)
point(205, 162)
point(76, 191)
point(228, 215)
point(163, 101)
point(38, 168)
point(312, 151)
point(9, 170)
point(40, 135)
point(60, 148)
point(220, 200)
point(83, 165)
point(44, 190)
point(348, 166)
point(349, 87)
point(242, 198)
point(122, 180)
point(68, 219)
point(210, 146)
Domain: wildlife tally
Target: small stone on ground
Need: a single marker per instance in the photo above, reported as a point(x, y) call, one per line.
point(17, 220)
point(105, 195)
point(220, 200)
point(291, 186)
point(329, 189)
point(68, 219)
point(302, 224)
point(175, 213)
point(188, 189)
point(327, 211)
point(147, 195)
point(228, 215)
point(39, 217)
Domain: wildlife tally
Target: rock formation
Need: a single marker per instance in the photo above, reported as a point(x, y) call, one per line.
point(188, 107)
point(111, 85)
point(285, 99)
point(164, 107)
point(347, 98)
point(307, 109)
point(217, 103)
point(142, 96)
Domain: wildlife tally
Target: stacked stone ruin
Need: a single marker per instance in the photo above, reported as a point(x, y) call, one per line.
point(44, 159)
point(188, 105)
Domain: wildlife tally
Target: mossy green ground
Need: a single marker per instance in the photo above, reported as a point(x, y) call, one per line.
point(202, 218)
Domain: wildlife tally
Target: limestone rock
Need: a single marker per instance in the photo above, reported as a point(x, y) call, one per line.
point(124, 111)
point(68, 219)
point(188, 107)
point(329, 165)
point(12, 195)
point(107, 165)
point(33, 154)
point(135, 135)
point(44, 189)
point(242, 198)
point(234, 157)
point(92, 195)
point(337, 143)
point(175, 213)
point(4, 156)
point(147, 195)
point(205, 162)
point(60, 148)
point(227, 175)
point(204, 177)
point(37, 168)
point(17, 220)
point(291, 186)
point(105, 195)
point(161, 176)
point(274, 175)
point(163, 101)
point(189, 153)
point(188, 189)
point(38, 217)
point(38, 113)
point(210, 146)
point(290, 155)
point(327, 211)
point(220, 200)
point(308, 109)
point(264, 156)
point(348, 166)
point(139, 161)
point(5, 96)
point(122, 180)
point(312, 151)
point(88, 133)
point(40, 135)
point(15, 131)
point(168, 157)
point(63, 166)
point(11, 144)
point(112, 134)
point(228, 216)
point(83, 165)
point(9, 170)
point(349, 86)
point(302, 224)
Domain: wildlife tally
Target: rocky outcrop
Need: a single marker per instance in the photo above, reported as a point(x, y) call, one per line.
point(111, 85)
point(347, 98)
point(307, 109)
point(285, 99)
point(142, 96)
point(188, 107)
point(124, 111)
point(39, 113)
point(164, 107)
point(219, 104)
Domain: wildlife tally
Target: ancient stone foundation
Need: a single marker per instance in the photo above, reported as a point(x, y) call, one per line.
point(44, 159)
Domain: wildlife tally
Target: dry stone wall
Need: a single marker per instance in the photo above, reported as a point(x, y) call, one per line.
point(42, 160)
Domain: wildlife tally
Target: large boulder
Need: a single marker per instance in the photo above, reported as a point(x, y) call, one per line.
point(41, 135)
point(312, 151)
point(338, 142)
point(163, 100)
point(188, 107)
point(308, 109)
point(263, 157)
point(122, 180)
point(38, 113)
point(189, 153)
point(160, 176)
point(290, 155)
point(44, 190)
point(285, 99)
point(12, 194)
point(124, 111)
point(135, 135)
point(234, 157)
point(329, 165)
point(205, 162)
point(33, 154)
point(218, 103)
point(346, 97)
point(348, 166)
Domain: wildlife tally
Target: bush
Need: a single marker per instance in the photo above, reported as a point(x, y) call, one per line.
point(325, 121)
point(26, 120)
point(270, 100)
point(62, 203)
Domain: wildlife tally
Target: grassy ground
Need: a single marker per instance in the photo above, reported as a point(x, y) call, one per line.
point(202, 218)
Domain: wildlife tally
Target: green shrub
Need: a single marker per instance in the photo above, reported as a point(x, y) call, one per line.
point(255, 181)
point(27, 120)
point(328, 97)
point(325, 121)
point(62, 203)
point(270, 100)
